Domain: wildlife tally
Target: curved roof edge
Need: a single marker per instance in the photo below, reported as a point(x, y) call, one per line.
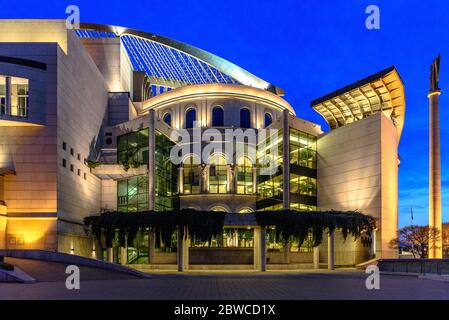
point(216, 89)
point(220, 64)
point(380, 92)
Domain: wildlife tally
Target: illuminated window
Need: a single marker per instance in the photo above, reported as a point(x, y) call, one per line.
point(217, 117)
point(302, 149)
point(190, 118)
point(2, 95)
point(19, 97)
point(132, 194)
point(245, 118)
point(267, 120)
point(302, 185)
point(167, 118)
point(191, 175)
point(244, 176)
point(133, 147)
point(218, 174)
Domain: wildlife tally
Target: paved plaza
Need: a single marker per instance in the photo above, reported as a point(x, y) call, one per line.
point(101, 284)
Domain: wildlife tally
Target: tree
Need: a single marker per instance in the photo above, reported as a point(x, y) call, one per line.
point(416, 239)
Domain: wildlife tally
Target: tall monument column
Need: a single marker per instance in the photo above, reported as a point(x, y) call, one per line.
point(435, 247)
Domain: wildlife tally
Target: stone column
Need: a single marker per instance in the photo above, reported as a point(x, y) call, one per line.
point(287, 253)
point(316, 257)
point(330, 251)
point(259, 247)
point(229, 178)
point(373, 243)
point(183, 252)
point(110, 255)
point(151, 160)
point(286, 158)
point(254, 179)
point(123, 255)
point(8, 96)
point(151, 246)
point(435, 247)
point(181, 179)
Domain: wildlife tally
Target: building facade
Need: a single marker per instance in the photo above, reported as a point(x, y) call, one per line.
point(87, 122)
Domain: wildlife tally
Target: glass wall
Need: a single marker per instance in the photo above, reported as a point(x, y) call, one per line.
point(302, 149)
point(218, 174)
point(303, 185)
point(18, 94)
point(132, 194)
point(166, 187)
point(133, 147)
point(244, 176)
point(191, 176)
point(270, 187)
point(2, 95)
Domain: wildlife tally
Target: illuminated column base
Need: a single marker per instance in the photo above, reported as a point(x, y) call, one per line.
point(330, 251)
point(259, 247)
point(316, 257)
point(183, 253)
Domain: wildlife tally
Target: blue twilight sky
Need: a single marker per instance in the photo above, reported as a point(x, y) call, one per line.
point(309, 48)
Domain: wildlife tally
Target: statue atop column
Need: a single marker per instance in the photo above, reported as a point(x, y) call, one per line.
point(435, 74)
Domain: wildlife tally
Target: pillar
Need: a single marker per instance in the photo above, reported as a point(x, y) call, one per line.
point(183, 252)
point(110, 255)
point(259, 247)
point(151, 160)
point(287, 253)
point(123, 255)
point(8, 96)
point(435, 246)
point(373, 243)
point(330, 251)
point(286, 159)
point(316, 257)
point(151, 246)
point(254, 179)
point(181, 179)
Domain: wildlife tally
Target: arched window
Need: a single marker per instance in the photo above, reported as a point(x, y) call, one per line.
point(218, 174)
point(191, 175)
point(244, 176)
point(217, 117)
point(245, 118)
point(218, 208)
point(246, 210)
point(190, 118)
point(167, 118)
point(267, 120)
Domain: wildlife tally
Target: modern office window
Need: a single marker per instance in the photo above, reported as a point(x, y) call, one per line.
point(218, 174)
point(166, 174)
point(2, 95)
point(19, 97)
point(132, 194)
point(245, 118)
point(302, 185)
point(302, 149)
point(190, 118)
point(267, 120)
point(217, 117)
point(245, 176)
point(133, 147)
point(167, 118)
point(191, 175)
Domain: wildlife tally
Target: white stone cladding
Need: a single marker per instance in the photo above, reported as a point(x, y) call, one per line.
point(358, 170)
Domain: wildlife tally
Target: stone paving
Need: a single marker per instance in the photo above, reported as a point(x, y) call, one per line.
point(339, 284)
